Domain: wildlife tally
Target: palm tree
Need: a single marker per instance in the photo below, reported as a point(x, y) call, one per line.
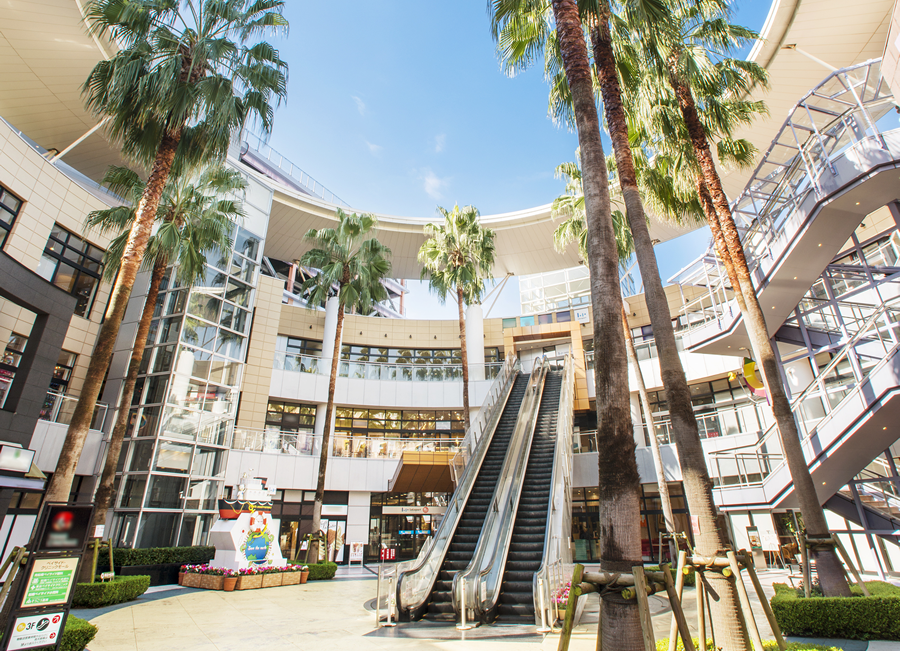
point(350, 265)
point(573, 229)
point(690, 53)
point(186, 79)
point(196, 216)
point(456, 258)
point(619, 482)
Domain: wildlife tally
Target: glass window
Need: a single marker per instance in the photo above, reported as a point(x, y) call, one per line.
point(164, 492)
point(247, 244)
point(173, 457)
point(141, 453)
point(208, 463)
point(526, 321)
point(9, 210)
point(158, 529)
point(133, 492)
point(73, 265)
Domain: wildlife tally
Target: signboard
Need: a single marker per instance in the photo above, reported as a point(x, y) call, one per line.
point(388, 554)
point(770, 542)
point(581, 315)
point(35, 631)
point(64, 528)
point(412, 510)
point(695, 525)
point(334, 509)
point(356, 552)
point(753, 537)
point(50, 582)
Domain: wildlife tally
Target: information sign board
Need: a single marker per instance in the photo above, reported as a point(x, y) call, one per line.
point(50, 582)
point(64, 528)
point(356, 552)
point(35, 631)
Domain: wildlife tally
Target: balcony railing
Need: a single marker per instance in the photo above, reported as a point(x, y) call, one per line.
point(360, 447)
point(59, 408)
point(390, 371)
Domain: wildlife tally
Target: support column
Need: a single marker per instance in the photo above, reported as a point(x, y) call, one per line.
point(475, 341)
point(328, 335)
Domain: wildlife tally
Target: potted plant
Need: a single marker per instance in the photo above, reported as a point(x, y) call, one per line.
point(271, 577)
point(181, 572)
point(248, 579)
point(191, 576)
point(212, 578)
point(230, 579)
point(291, 575)
point(304, 573)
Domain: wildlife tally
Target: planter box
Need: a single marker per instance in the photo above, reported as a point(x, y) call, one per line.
point(160, 574)
point(290, 578)
point(249, 582)
point(212, 582)
point(191, 580)
point(272, 580)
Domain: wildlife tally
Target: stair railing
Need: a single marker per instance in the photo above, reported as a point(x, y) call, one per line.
point(476, 430)
point(557, 547)
point(479, 583)
point(753, 463)
point(415, 584)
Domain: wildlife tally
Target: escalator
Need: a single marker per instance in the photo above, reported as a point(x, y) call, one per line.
point(465, 538)
point(526, 549)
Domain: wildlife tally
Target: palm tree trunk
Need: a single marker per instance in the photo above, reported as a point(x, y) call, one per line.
point(464, 355)
point(708, 539)
point(103, 498)
point(619, 482)
point(668, 514)
point(828, 567)
point(326, 433)
point(61, 483)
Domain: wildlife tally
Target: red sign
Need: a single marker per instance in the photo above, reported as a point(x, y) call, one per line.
point(388, 554)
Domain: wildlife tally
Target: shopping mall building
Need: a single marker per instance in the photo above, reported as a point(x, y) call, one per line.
point(235, 374)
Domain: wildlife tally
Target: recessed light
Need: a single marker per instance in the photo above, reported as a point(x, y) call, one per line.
point(729, 346)
point(884, 428)
point(795, 277)
point(820, 244)
point(857, 203)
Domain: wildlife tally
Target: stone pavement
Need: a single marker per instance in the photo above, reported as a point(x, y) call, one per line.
point(336, 615)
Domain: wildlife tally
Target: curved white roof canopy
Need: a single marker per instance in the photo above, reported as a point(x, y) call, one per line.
point(47, 54)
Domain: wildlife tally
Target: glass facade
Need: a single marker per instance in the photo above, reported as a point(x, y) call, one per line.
point(182, 417)
point(559, 290)
point(73, 265)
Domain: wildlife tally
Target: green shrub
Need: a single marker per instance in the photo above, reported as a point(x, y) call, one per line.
point(689, 579)
point(321, 571)
point(855, 618)
point(768, 645)
point(124, 557)
point(107, 593)
point(77, 634)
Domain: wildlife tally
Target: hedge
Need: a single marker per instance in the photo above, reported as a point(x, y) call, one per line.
point(108, 593)
point(855, 618)
point(321, 571)
point(77, 634)
point(124, 557)
point(689, 579)
point(768, 645)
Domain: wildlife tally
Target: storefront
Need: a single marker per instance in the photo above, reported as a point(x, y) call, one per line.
point(401, 523)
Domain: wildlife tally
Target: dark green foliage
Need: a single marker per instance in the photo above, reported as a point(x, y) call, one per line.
point(321, 571)
point(856, 618)
point(77, 634)
point(108, 593)
point(768, 645)
point(689, 579)
point(155, 556)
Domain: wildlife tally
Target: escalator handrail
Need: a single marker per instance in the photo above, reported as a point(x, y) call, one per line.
point(415, 584)
point(558, 530)
point(483, 576)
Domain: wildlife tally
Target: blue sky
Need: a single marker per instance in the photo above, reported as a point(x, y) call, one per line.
point(399, 106)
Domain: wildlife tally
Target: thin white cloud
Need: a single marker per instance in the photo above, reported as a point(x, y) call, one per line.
point(373, 148)
point(439, 141)
point(360, 105)
point(433, 184)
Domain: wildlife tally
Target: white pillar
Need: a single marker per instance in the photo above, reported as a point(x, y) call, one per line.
point(330, 331)
point(475, 341)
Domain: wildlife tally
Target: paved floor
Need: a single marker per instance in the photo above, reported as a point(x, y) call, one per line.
point(333, 615)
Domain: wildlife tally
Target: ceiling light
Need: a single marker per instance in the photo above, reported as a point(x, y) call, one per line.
point(820, 244)
point(857, 203)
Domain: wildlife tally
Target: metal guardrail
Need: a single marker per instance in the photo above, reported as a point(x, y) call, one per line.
point(557, 558)
point(477, 587)
point(59, 408)
point(297, 175)
point(750, 465)
point(832, 118)
point(414, 585)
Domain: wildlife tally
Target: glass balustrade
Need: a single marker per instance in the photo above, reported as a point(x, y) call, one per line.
point(382, 371)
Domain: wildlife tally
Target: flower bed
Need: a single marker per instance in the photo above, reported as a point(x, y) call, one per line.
point(207, 577)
